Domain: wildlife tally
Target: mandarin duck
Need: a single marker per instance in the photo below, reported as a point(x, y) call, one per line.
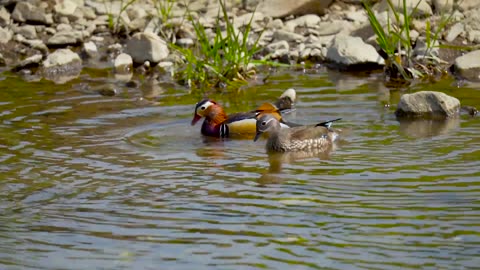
point(302, 138)
point(218, 124)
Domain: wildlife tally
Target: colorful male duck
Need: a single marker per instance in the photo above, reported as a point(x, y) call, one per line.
point(218, 124)
point(303, 138)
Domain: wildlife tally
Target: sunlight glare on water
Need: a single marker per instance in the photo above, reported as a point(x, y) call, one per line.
point(92, 182)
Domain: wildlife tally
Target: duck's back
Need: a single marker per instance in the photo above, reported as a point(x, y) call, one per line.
point(301, 138)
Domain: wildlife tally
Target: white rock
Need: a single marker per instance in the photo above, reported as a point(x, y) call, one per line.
point(4, 17)
point(61, 57)
point(468, 65)
point(90, 49)
point(423, 9)
point(455, 31)
point(288, 36)
point(123, 63)
point(147, 47)
point(348, 50)
point(309, 20)
point(28, 31)
point(280, 45)
point(5, 35)
point(65, 7)
point(428, 104)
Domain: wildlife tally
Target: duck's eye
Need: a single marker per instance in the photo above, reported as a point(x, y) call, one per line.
point(202, 108)
point(264, 123)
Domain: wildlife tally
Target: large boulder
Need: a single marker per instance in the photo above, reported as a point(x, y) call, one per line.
point(284, 8)
point(26, 12)
point(348, 51)
point(468, 66)
point(428, 104)
point(146, 47)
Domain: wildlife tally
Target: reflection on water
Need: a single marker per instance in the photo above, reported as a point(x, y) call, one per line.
point(124, 182)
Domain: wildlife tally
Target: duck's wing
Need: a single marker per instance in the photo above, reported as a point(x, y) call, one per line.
point(307, 132)
point(328, 123)
point(241, 123)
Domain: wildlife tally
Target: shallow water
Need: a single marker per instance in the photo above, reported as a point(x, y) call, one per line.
point(124, 182)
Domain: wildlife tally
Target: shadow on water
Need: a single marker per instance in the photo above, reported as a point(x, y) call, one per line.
point(124, 182)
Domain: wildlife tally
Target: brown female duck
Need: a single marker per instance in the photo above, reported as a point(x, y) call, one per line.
point(301, 138)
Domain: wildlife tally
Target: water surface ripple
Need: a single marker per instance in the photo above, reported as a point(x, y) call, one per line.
point(91, 182)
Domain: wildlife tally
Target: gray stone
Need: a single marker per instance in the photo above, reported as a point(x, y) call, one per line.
point(123, 63)
point(423, 50)
point(288, 36)
point(147, 47)
point(279, 45)
point(422, 10)
point(328, 28)
point(442, 6)
point(65, 38)
point(184, 42)
point(429, 104)
point(275, 24)
point(4, 17)
point(62, 66)
point(347, 50)
point(90, 49)
point(359, 16)
point(26, 12)
point(65, 7)
point(465, 5)
point(33, 60)
point(468, 65)
point(64, 27)
point(245, 19)
point(309, 20)
point(5, 35)
point(474, 36)
point(284, 8)
point(455, 31)
point(28, 31)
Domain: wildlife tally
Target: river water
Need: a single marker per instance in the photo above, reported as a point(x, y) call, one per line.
point(124, 182)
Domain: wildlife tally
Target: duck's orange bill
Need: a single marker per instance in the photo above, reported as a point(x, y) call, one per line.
point(195, 119)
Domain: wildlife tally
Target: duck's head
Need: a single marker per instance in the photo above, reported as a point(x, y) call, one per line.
point(266, 123)
point(202, 109)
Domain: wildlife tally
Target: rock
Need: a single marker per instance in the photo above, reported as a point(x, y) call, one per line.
point(31, 61)
point(468, 66)
point(245, 19)
point(280, 45)
point(4, 17)
point(347, 50)
point(146, 47)
point(5, 35)
point(123, 63)
point(442, 6)
point(422, 49)
point(429, 104)
point(328, 28)
point(62, 65)
point(288, 36)
point(65, 7)
point(474, 36)
point(28, 31)
point(359, 16)
point(455, 31)
point(65, 38)
point(185, 42)
point(284, 8)
point(90, 49)
point(423, 8)
point(26, 12)
point(310, 20)
point(465, 5)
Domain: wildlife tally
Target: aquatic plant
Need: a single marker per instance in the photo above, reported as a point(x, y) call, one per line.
point(397, 48)
point(225, 60)
point(115, 20)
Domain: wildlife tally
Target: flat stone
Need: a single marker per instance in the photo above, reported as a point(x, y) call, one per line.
point(28, 31)
point(65, 38)
point(347, 50)
point(284, 8)
point(61, 57)
point(428, 104)
point(465, 5)
point(279, 45)
point(455, 31)
point(468, 65)
point(147, 47)
point(328, 28)
point(288, 36)
point(4, 17)
point(185, 42)
point(33, 60)
point(5, 35)
point(309, 20)
point(26, 12)
point(123, 63)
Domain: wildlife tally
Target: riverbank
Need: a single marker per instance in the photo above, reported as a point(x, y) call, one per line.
point(57, 39)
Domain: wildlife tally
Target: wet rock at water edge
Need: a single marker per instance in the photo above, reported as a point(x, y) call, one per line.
point(468, 66)
point(62, 65)
point(123, 63)
point(428, 104)
point(147, 47)
point(32, 61)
